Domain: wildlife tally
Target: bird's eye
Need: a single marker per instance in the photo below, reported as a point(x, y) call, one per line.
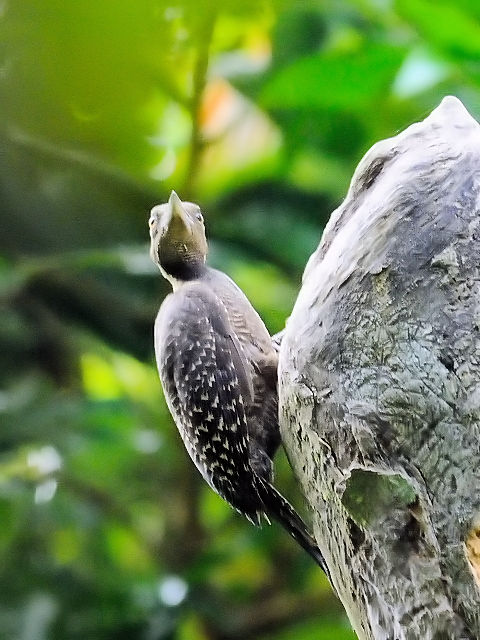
point(199, 216)
point(151, 222)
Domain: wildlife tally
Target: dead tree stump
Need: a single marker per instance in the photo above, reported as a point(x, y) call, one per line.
point(380, 385)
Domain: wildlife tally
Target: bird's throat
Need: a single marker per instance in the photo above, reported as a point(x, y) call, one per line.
point(184, 270)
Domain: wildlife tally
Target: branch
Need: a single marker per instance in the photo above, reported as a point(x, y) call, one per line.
point(204, 37)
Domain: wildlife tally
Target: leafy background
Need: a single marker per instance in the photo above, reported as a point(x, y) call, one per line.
point(259, 111)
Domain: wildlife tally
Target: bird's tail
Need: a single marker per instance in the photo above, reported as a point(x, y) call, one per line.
point(282, 511)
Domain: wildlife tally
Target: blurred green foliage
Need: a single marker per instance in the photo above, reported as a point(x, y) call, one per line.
point(260, 112)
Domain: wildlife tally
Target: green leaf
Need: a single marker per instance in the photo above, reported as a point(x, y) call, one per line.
point(335, 79)
point(315, 630)
point(445, 25)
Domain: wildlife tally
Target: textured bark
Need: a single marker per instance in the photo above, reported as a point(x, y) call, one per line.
point(380, 385)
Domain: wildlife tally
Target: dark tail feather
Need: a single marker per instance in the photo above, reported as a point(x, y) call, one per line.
point(282, 511)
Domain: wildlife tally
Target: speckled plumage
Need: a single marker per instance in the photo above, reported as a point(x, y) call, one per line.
point(218, 369)
point(196, 355)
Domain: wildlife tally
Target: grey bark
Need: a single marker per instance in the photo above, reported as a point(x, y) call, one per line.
point(380, 385)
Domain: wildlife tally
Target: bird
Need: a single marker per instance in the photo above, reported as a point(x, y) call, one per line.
point(218, 369)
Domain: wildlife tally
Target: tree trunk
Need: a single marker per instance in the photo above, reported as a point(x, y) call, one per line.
point(380, 385)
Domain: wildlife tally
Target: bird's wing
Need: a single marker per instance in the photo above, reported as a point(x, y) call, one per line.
point(206, 384)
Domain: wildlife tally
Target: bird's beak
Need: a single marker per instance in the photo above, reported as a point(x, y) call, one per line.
point(177, 212)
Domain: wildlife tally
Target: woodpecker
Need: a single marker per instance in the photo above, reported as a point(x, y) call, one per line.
point(218, 369)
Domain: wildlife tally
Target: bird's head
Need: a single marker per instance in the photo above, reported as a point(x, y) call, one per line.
point(178, 243)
